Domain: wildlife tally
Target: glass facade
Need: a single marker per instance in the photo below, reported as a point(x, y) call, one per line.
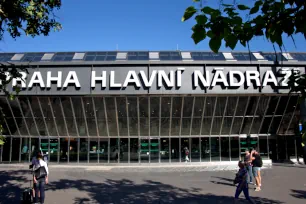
point(149, 129)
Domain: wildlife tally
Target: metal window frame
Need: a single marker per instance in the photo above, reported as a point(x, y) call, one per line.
point(255, 111)
point(11, 141)
point(84, 114)
point(64, 118)
point(283, 115)
point(106, 118)
point(96, 120)
point(117, 125)
point(128, 127)
point(6, 122)
point(43, 116)
point(230, 131)
point(279, 98)
point(51, 108)
point(149, 117)
point(9, 105)
point(246, 108)
point(225, 108)
point(20, 146)
point(211, 126)
point(74, 119)
point(23, 118)
point(182, 112)
point(138, 121)
point(264, 116)
point(202, 117)
point(192, 114)
point(31, 111)
point(159, 124)
point(170, 122)
point(293, 114)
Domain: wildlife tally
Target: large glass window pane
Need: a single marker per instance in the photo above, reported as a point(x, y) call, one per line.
point(198, 107)
point(215, 148)
point(176, 116)
point(256, 125)
point(114, 150)
point(227, 123)
point(134, 150)
point(231, 105)
point(206, 126)
point(175, 150)
point(186, 123)
point(216, 126)
point(144, 116)
point(272, 105)
point(45, 106)
point(53, 150)
point(93, 150)
point(44, 145)
point(15, 149)
point(165, 115)
point(79, 115)
point(225, 156)
point(185, 150)
point(164, 150)
point(175, 126)
point(69, 116)
point(154, 120)
point(133, 116)
point(28, 116)
point(205, 149)
point(6, 150)
point(251, 106)
point(124, 150)
point(187, 108)
point(25, 149)
point(209, 107)
point(83, 154)
point(100, 114)
point(263, 147)
point(246, 125)
point(236, 125)
point(64, 149)
point(242, 105)
point(234, 148)
point(38, 116)
point(195, 149)
point(144, 150)
point(34, 147)
point(111, 116)
point(122, 116)
point(73, 150)
point(103, 151)
point(90, 116)
point(196, 126)
point(220, 107)
point(154, 151)
point(59, 118)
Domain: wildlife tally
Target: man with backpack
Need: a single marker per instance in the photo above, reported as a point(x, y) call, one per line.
point(257, 164)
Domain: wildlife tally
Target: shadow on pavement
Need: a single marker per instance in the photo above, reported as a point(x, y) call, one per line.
point(126, 191)
point(10, 185)
point(299, 194)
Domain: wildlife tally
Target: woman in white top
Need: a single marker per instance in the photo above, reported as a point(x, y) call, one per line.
point(39, 183)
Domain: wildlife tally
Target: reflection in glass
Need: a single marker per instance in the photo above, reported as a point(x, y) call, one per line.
point(154, 151)
point(205, 149)
point(154, 120)
point(225, 150)
point(64, 149)
point(124, 150)
point(144, 151)
point(25, 149)
point(234, 148)
point(164, 150)
point(15, 149)
point(34, 147)
point(134, 150)
point(114, 150)
point(73, 150)
point(195, 149)
point(133, 116)
point(175, 150)
point(103, 151)
point(144, 116)
point(111, 116)
point(122, 116)
point(215, 150)
point(185, 155)
point(165, 115)
point(93, 150)
point(54, 150)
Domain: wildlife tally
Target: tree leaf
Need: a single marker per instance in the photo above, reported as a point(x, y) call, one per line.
point(242, 7)
point(215, 44)
point(196, 0)
point(190, 11)
point(208, 10)
point(198, 35)
point(255, 9)
point(201, 19)
point(231, 41)
point(210, 34)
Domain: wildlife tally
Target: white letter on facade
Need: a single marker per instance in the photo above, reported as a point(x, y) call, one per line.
point(252, 75)
point(58, 79)
point(162, 76)
point(231, 78)
point(284, 81)
point(269, 77)
point(131, 77)
point(148, 83)
point(22, 79)
point(36, 79)
point(95, 78)
point(219, 77)
point(179, 76)
point(72, 78)
point(198, 75)
point(112, 80)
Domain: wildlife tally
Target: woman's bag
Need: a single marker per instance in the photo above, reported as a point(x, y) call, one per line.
point(40, 172)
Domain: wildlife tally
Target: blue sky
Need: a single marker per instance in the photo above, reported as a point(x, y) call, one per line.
point(131, 24)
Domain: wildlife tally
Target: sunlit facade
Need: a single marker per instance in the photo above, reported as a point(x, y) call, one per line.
point(133, 128)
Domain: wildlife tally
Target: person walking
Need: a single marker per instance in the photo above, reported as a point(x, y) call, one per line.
point(248, 166)
point(257, 164)
point(241, 180)
point(40, 177)
point(186, 154)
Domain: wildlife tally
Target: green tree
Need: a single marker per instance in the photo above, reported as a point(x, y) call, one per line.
point(29, 17)
point(271, 19)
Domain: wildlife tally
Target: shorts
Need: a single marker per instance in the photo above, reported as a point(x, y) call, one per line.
point(255, 171)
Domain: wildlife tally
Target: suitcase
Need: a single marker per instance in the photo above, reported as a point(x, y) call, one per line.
point(27, 195)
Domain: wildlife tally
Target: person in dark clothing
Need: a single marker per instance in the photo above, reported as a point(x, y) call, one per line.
point(257, 164)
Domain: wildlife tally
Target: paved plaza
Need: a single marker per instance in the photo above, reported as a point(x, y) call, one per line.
point(190, 185)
